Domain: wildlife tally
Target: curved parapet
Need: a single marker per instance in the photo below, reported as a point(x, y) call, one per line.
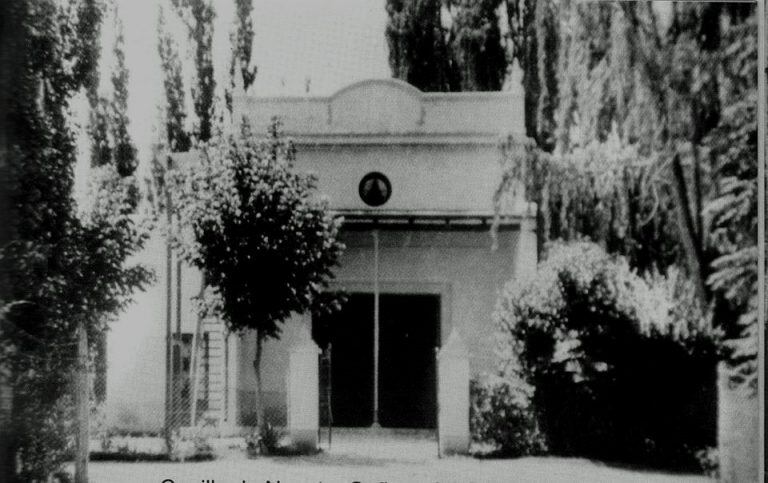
point(389, 107)
point(377, 106)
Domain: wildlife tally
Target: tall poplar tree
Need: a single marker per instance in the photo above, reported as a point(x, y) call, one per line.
point(62, 271)
point(476, 45)
point(418, 45)
point(198, 16)
point(125, 159)
point(242, 48)
point(111, 144)
point(176, 140)
point(174, 113)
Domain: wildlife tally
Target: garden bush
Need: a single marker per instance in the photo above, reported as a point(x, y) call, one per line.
point(501, 415)
point(623, 367)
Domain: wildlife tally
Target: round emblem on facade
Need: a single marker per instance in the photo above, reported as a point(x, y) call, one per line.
point(375, 189)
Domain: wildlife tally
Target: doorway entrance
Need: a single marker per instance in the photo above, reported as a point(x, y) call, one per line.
point(408, 334)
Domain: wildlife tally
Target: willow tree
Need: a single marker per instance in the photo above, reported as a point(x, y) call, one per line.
point(255, 227)
point(642, 113)
point(733, 209)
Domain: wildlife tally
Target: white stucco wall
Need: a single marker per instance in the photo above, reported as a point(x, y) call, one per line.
point(459, 265)
point(425, 178)
point(440, 152)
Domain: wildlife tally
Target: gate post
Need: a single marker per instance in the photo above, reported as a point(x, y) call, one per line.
point(303, 392)
point(453, 396)
point(738, 430)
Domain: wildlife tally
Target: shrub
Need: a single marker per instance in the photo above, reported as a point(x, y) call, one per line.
point(193, 448)
point(268, 440)
point(264, 440)
point(501, 415)
point(623, 366)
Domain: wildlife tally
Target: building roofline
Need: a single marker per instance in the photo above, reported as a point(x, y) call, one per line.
point(397, 83)
point(402, 138)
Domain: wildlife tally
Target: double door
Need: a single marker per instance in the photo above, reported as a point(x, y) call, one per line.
point(406, 377)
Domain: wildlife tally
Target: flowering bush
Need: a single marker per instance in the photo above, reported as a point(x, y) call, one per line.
point(501, 415)
point(622, 367)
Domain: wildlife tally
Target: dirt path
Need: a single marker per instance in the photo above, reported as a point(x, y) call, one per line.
point(365, 458)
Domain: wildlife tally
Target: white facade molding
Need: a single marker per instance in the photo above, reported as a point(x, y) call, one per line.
point(388, 106)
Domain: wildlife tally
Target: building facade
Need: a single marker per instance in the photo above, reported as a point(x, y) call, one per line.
point(414, 176)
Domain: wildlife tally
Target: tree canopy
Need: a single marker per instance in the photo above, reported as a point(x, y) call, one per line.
point(64, 266)
point(446, 46)
point(255, 227)
point(643, 114)
point(257, 230)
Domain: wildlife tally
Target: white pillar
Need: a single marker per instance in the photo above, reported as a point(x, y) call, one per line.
point(453, 396)
point(525, 250)
point(303, 391)
point(233, 382)
point(738, 431)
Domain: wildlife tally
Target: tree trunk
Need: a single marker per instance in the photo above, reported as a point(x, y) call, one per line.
point(83, 400)
point(167, 430)
point(257, 373)
point(12, 59)
point(687, 230)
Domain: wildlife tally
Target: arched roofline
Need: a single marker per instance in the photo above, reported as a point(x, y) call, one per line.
point(395, 83)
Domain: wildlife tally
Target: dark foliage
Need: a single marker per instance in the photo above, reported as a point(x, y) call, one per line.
point(476, 45)
point(501, 414)
point(621, 367)
point(198, 16)
point(418, 49)
point(242, 48)
point(251, 213)
point(60, 269)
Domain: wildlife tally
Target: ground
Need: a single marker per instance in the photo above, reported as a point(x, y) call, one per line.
point(372, 458)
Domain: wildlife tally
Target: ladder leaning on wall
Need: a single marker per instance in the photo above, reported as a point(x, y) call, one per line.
point(209, 373)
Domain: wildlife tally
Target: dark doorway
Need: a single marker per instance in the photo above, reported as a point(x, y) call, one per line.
point(408, 334)
point(351, 334)
point(408, 326)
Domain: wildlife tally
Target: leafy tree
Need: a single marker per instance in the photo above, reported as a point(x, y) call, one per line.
point(242, 47)
point(587, 345)
point(733, 209)
point(418, 50)
point(465, 54)
point(177, 139)
point(523, 32)
point(253, 225)
point(124, 152)
point(110, 141)
point(62, 270)
point(533, 42)
point(175, 114)
point(640, 111)
point(477, 46)
point(197, 16)
point(111, 145)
